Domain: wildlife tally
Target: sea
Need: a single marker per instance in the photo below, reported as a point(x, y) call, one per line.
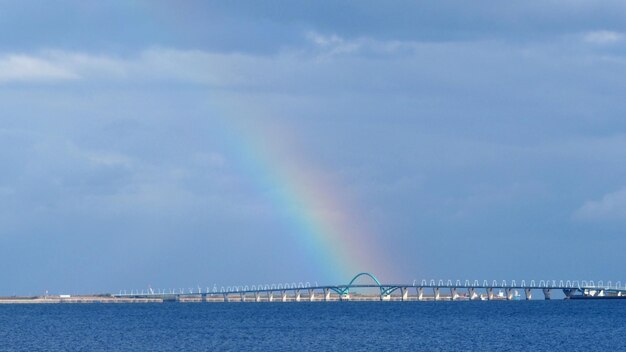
point(557, 325)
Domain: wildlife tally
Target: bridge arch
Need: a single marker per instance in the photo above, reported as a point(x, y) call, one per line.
point(384, 290)
point(371, 276)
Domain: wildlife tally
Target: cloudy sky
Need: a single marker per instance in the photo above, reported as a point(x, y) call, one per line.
point(177, 144)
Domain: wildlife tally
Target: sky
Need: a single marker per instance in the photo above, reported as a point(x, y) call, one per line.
point(204, 143)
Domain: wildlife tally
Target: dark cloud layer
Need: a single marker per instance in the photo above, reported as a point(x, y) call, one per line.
point(268, 26)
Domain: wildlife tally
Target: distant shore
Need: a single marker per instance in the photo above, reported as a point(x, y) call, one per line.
point(77, 299)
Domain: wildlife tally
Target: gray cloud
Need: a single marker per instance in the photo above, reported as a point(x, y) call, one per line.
point(603, 37)
point(612, 206)
point(18, 68)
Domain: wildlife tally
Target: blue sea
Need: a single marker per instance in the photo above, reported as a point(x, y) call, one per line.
point(333, 326)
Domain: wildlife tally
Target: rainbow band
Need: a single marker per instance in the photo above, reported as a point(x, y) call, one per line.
point(318, 215)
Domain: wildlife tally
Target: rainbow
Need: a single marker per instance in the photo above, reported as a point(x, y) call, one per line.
point(319, 215)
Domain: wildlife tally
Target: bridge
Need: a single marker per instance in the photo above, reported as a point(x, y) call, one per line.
point(425, 290)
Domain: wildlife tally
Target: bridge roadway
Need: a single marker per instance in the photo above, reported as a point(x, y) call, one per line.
point(425, 290)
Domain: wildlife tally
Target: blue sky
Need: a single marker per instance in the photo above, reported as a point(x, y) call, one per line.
point(474, 142)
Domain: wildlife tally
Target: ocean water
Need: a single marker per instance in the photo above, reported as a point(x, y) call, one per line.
point(333, 326)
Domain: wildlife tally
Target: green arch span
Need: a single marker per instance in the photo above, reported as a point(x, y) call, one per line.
point(364, 274)
point(384, 290)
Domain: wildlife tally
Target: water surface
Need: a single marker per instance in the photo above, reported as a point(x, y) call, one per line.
point(332, 326)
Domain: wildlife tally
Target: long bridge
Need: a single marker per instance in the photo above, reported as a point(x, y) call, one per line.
point(425, 290)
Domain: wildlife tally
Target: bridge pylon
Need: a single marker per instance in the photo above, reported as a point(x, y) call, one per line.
point(420, 293)
point(529, 294)
point(453, 294)
point(547, 293)
point(490, 295)
point(436, 293)
point(509, 294)
point(570, 292)
point(405, 293)
point(471, 293)
point(326, 294)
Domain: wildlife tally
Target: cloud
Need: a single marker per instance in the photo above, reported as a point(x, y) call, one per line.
point(83, 64)
point(325, 66)
point(24, 68)
point(56, 65)
point(334, 44)
point(603, 37)
point(217, 69)
point(190, 66)
point(612, 206)
point(323, 60)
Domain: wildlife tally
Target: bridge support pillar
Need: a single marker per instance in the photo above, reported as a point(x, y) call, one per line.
point(569, 292)
point(547, 293)
point(270, 296)
point(257, 296)
point(436, 293)
point(283, 295)
point(509, 294)
point(420, 293)
point(243, 297)
point(311, 295)
point(226, 297)
point(326, 294)
point(297, 295)
point(471, 293)
point(490, 293)
point(453, 294)
point(405, 293)
point(529, 294)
